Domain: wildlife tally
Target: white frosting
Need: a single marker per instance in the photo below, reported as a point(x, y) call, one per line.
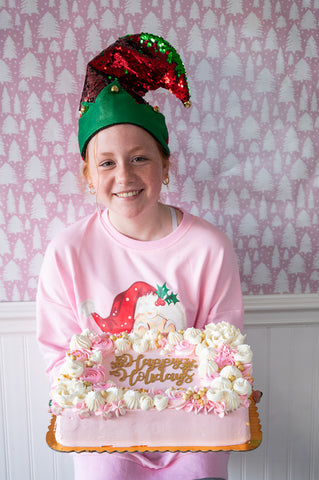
point(244, 354)
point(224, 331)
point(96, 357)
point(193, 335)
point(214, 338)
point(141, 345)
point(94, 400)
point(132, 336)
point(174, 338)
point(72, 368)
point(132, 399)
point(185, 348)
point(88, 333)
point(80, 342)
point(242, 387)
point(123, 345)
point(207, 368)
point(146, 402)
point(231, 399)
point(151, 334)
point(84, 385)
point(69, 393)
point(221, 383)
point(204, 352)
point(160, 402)
point(215, 395)
point(227, 396)
point(167, 349)
point(231, 372)
point(114, 394)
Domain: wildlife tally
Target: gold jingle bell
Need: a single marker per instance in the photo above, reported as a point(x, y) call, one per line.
point(115, 89)
point(83, 109)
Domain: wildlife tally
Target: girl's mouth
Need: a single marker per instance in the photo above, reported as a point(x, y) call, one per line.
point(133, 193)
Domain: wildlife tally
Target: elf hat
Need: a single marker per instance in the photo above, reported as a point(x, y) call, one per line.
point(118, 78)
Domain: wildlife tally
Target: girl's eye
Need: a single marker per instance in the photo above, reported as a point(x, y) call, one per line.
point(139, 159)
point(106, 164)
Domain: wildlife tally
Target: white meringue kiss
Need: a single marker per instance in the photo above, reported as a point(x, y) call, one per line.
point(80, 341)
point(94, 400)
point(160, 402)
point(207, 368)
point(173, 338)
point(141, 345)
point(122, 345)
point(146, 402)
point(132, 399)
point(114, 394)
point(193, 335)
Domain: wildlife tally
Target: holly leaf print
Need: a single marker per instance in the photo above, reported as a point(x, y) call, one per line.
point(161, 292)
point(172, 298)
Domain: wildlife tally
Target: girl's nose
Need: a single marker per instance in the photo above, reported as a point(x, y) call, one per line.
point(124, 172)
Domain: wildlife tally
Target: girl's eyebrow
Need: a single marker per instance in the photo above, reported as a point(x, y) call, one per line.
point(136, 148)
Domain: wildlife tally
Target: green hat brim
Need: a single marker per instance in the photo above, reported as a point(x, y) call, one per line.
point(114, 106)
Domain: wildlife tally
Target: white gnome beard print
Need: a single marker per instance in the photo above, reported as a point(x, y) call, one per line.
point(161, 311)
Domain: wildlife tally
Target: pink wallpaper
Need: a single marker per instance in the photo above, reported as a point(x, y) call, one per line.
point(245, 156)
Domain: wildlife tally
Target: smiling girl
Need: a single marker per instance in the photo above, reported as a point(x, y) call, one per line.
point(135, 263)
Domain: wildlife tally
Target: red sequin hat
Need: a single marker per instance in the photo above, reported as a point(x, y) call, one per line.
point(118, 78)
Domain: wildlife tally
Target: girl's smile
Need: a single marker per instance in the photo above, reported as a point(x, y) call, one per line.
point(128, 194)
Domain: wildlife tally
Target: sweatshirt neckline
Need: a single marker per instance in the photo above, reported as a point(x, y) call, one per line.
point(166, 241)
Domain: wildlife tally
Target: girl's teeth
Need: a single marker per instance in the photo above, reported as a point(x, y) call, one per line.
point(128, 194)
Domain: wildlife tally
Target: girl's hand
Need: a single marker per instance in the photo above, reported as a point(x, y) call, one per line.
point(257, 394)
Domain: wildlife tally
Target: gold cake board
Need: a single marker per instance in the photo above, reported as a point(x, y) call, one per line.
point(254, 442)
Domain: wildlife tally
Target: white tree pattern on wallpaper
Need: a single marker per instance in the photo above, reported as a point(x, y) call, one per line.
point(244, 156)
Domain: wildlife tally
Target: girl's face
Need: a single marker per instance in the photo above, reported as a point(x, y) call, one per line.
point(126, 169)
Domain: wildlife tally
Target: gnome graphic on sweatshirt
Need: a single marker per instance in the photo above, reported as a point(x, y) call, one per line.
point(140, 308)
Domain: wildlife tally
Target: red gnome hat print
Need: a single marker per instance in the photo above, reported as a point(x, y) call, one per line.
point(121, 318)
point(142, 307)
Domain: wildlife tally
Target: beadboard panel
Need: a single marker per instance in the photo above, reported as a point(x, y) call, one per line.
point(284, 333)
point(286, 369)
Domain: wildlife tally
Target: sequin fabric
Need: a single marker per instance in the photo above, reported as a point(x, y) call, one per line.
point(140, 63)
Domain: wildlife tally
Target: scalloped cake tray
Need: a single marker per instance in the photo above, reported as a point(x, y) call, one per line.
point(254, 442)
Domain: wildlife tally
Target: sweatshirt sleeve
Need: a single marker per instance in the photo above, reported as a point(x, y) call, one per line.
point(227, 304)
point(55, 310)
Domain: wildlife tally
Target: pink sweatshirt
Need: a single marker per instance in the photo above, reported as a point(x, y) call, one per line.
point(94, 277)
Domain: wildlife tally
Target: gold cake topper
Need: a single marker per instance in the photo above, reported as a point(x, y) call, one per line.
point(151, 370)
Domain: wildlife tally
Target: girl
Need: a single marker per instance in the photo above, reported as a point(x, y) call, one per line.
point(102, 272)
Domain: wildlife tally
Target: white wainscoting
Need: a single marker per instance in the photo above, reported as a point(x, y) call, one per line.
point(284, 333)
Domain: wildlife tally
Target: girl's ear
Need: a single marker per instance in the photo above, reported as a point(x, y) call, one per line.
point(165, 167)
point(85, 171)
